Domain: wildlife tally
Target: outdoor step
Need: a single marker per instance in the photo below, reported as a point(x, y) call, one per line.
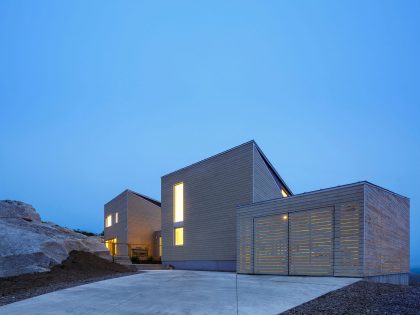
point(150, 267)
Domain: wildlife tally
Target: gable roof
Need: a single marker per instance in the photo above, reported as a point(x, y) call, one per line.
point(157, 203)
point(151, 200)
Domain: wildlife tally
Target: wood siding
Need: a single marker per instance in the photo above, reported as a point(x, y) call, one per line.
point(271, 245)
point(144, 219)
point(387, 236)
point(340, 200)
point(311, 242)
point(117, 230)
point(213, 188)
point(265, 186)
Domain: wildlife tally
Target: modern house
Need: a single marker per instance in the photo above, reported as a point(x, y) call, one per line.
point(233, 212)
point(199, 205)
point(131, 220)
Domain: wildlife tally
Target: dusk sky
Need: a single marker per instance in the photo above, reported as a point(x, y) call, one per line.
point(100, 96)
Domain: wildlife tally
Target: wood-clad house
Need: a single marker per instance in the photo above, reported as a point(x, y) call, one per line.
point(130, 222)
point(199, 206)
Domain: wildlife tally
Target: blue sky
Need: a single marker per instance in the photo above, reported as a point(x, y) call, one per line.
point(99, 96)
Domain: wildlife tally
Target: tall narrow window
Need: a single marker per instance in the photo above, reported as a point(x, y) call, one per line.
point(108, 221)
point(160, 246)
point(179, 202)
point(179, 236)
point(116, 217)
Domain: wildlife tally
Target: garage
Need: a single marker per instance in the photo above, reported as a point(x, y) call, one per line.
point(356, 230)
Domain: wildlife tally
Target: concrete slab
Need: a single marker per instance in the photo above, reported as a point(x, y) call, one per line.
point(181, 292)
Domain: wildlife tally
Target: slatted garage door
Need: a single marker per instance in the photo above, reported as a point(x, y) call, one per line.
point(311, 242)
point(271, 245)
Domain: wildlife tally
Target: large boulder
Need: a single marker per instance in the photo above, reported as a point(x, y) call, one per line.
point(28, 245)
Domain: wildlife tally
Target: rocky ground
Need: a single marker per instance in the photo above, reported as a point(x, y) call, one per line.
point(366, 298)
point(79, 268)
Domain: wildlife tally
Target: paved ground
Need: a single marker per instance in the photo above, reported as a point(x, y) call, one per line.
point(181, 292)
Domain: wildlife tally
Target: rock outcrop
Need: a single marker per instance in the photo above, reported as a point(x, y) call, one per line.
point(29, 245)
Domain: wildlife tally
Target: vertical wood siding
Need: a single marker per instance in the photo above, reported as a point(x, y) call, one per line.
point(386, 232)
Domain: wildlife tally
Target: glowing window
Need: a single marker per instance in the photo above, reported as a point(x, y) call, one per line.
point(179, 236)
point(160, 246)
point(284, 193)
point(108, 221)
point(179, 202)
point(116, 217)
point(112, 246)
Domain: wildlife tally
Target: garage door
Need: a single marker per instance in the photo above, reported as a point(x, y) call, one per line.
point(311, 242)
point(271, 245)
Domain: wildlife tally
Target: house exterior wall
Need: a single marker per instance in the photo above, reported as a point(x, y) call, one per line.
point(117, 230)
point(212, 190)
point(387, 232)
point(265, 186)
point(143, 220)
point(346, 204)
point(357, 230)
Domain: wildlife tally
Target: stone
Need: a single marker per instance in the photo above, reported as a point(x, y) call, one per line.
point(29, 245)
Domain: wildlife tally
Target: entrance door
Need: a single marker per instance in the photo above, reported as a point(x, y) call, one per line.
point(271, 245)
point(311, 242)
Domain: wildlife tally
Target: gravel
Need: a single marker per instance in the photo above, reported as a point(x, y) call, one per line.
point(366, 298)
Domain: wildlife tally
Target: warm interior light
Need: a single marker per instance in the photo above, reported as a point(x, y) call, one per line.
point(179, 236)
point(108, 221)
point(160, 246)
point(116, 217)
point(284, 193)
point(179, 202)
point(285, 217)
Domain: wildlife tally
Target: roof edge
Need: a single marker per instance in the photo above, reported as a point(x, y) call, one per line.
point(322, 190)
point(151, 200)
point(210, 157)
point(266, 160)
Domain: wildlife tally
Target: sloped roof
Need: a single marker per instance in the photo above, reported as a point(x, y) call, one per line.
point(151, 200)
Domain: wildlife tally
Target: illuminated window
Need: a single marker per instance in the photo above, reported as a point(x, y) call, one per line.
point(285, 217)
point(108, 221)
point(112, 246)
point(284, 193)
point(179, 202)
point(179, 236)
point(116, 217)
point(160, 246)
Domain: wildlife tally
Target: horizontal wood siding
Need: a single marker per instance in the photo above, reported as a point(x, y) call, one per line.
point(311, 242)
point(212, 190)
point(265, 187)
point(348, 249)
point(271, 245)
point(338, 200)
point(144, 219)
point(118, 230)
point(387, 229)
point(245, 248)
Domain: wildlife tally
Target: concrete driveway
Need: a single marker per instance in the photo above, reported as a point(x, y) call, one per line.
point(181, 292)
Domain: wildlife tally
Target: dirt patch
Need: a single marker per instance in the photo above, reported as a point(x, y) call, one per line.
point(79, 268)
point(365, 298)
